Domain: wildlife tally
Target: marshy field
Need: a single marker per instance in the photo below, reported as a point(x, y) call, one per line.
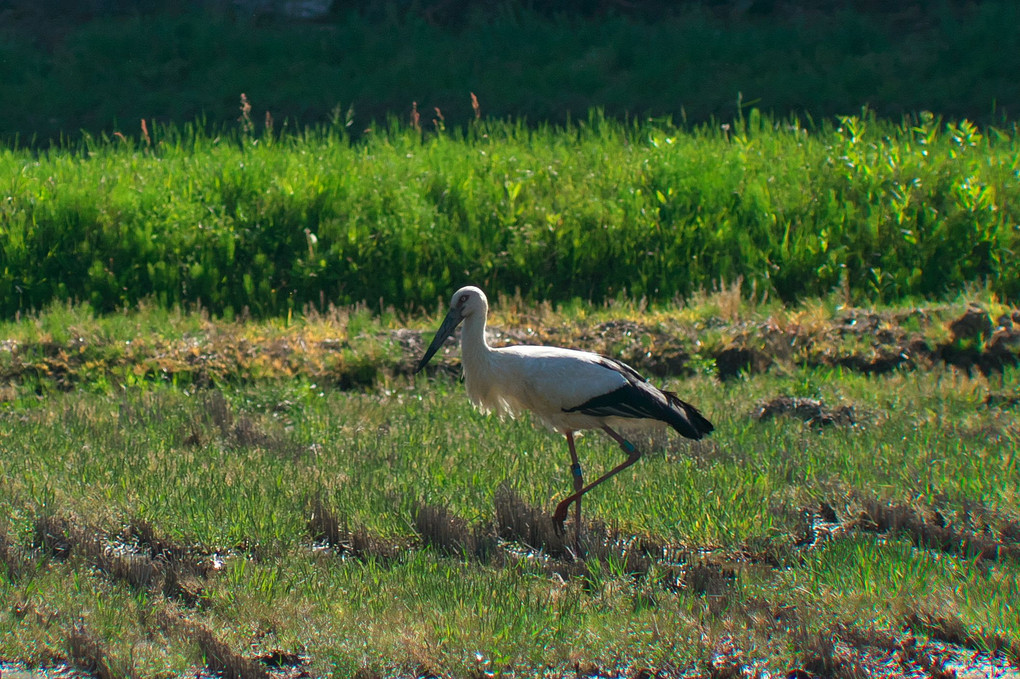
point(285, 499)
point(216, 459)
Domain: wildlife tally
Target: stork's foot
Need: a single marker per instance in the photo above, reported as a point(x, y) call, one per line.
point(559, 517)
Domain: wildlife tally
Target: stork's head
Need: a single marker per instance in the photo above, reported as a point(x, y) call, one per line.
point(466, 302)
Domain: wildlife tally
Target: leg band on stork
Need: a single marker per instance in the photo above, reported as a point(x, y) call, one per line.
point(633, 455)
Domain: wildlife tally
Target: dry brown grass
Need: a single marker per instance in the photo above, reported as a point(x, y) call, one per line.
point(738, 337)
point(90, 654)
point(326, 526)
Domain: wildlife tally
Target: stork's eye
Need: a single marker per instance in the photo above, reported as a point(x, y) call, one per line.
point(463, 298)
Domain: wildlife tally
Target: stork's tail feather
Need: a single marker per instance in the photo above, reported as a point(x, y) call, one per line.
point(685, 418)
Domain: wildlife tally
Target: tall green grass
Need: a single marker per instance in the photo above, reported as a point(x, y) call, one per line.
point(597, 209)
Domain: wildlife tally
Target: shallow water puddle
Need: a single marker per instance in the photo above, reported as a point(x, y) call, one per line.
point(15, 671)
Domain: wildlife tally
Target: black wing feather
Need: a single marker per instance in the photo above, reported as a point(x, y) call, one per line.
point(640, 400)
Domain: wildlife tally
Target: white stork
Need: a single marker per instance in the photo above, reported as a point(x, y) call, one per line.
point(566, 389)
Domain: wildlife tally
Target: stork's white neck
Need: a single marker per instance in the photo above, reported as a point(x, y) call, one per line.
point(473, 348)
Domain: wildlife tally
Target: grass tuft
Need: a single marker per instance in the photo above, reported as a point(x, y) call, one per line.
point(219, 657)
point(90, 654)
point(533, 527)
point(324, 525)
point(451, 534)
point(15, 562)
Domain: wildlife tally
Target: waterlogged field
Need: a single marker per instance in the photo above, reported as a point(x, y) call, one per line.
point(836, 523)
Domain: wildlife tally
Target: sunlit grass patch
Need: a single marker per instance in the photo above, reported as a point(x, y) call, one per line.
point(888, 581)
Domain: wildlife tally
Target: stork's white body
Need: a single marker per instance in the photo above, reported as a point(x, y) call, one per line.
point(547, 381)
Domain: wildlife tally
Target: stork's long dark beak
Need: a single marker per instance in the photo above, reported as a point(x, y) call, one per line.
point(450, 323)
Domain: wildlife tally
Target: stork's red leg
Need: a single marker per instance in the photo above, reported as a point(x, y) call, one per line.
point(575, 472)
point(633, 455)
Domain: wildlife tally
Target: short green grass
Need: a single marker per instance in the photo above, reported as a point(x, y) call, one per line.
point(234, 471)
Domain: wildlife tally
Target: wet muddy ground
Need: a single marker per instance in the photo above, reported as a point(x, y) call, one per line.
point(974, 340)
